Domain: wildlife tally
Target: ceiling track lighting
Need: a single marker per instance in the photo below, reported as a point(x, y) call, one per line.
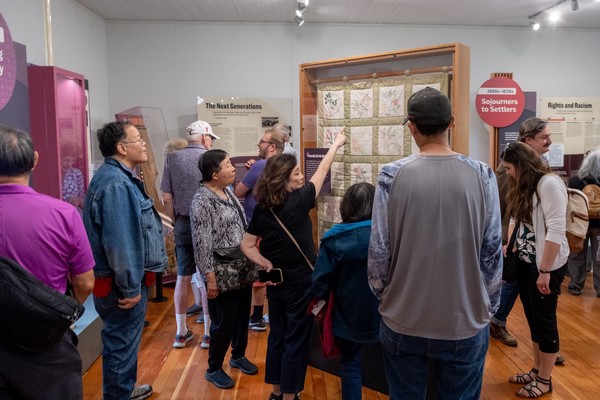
point(300, 9)
point(554, 16)
point(574, 5)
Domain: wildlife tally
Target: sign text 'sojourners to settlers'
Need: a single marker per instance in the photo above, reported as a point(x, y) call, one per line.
point(499, 102)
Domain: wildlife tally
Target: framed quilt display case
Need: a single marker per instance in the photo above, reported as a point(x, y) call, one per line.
point(365, 97)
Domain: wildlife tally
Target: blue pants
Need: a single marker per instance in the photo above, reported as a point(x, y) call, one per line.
point(350, 369)
point(121, 337)
point(458, 364)
point(508, 296)
point(289, 339)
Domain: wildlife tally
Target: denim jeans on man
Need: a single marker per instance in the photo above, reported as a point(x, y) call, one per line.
point(289, 339)
point(458, 364)
point(508, 296)
point(121, 337)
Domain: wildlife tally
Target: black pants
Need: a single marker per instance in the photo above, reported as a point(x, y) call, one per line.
point(540, 309)
point(229, 313)
point(51, 374)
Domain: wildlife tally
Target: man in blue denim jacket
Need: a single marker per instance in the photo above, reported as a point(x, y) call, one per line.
point(125, 233)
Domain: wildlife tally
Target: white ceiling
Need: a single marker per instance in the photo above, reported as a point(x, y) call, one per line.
point(507, 13)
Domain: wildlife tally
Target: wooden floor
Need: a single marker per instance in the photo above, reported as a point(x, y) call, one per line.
point(179, 373)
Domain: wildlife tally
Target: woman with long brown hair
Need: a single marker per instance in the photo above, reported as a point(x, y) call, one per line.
point(283, 198)
point(537, 204)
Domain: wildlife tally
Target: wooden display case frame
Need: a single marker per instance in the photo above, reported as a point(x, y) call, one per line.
point(453, 58)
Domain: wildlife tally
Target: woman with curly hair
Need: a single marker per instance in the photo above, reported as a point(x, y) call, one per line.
point(282, 194)
point(537, 204)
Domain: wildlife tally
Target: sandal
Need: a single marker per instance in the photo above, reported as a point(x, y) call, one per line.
point(532, 389)
point(525, 378)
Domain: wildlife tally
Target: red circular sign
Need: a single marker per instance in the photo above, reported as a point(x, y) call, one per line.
point(500, 102)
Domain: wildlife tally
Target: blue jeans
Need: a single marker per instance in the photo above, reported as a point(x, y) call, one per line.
point(121, 338)
point(288, 347)
point(350, 369)
point(458, 364)
point(508, 296)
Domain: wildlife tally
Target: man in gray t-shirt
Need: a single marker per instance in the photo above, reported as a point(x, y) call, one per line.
point(435, 258)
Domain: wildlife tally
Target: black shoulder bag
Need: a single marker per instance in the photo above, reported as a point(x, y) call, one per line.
point(233, 270)
point(33, 316)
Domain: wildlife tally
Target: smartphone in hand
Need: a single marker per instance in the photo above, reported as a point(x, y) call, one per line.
point(275, 275)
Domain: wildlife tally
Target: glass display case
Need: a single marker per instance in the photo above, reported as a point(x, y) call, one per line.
point(59, 132)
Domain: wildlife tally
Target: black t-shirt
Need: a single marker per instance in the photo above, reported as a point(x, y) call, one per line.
point(276, 246)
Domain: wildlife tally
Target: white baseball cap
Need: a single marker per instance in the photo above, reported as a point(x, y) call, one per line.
point(201, 128)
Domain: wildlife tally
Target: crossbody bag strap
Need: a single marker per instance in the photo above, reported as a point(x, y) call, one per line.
point(292, 238)
point(513, 238)
point(239, 210)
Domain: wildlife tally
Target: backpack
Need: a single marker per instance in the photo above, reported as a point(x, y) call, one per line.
point(577, 219)
point(33, 316)
point(593, 194)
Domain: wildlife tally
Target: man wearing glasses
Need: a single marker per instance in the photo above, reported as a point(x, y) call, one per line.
point(125, 234)
point(181, 179)
point(271, 143)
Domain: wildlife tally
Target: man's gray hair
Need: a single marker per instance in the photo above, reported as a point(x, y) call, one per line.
point(16, 152)
point(283, 129)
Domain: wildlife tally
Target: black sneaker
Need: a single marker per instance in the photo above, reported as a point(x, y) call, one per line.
point(141, 392)
point(244, 365)
point(220, 379)
point(259, 326)
point(193, 310)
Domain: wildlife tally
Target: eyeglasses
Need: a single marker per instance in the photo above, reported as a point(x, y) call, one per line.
point(212, 138)
point(264, 141)
point(141, 141)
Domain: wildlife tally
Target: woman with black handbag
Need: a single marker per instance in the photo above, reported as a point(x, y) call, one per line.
point(218, 223)
point(281, 219)
point(537, 202)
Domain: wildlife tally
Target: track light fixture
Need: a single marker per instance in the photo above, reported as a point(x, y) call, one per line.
point(300, 9)
point(554, 16)
point(574, 5)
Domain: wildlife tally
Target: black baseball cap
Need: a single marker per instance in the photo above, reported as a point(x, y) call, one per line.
point(429, 107)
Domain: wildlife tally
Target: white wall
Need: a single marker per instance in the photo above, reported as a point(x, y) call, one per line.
point(79, 43)
point(167, 64)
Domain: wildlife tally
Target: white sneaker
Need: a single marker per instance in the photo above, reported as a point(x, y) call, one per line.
point(141, 392)
point(205, 342)
point(182, 340)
